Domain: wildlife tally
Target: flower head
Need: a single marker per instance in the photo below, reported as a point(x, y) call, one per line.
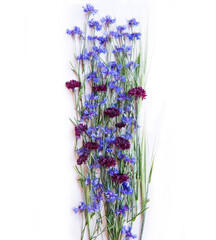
point(120, 125)
point(91, 145)
point(73, 84)
point(112, 112)
point(133, 22)
point(120, 178)
point(137, 92)
point(107, 161)
point(82, 159)
point(107, 20)
point(122, 143)
point(128, 233)
point(80, 129)
point(89, 9)
point(99, 88)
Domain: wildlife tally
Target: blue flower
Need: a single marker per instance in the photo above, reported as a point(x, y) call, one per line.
point(107, 20)
point(128, 233)
point(125, 189)
point(75, 31)
point(103, 40)
point(80, 208)
point(121, 28)
point(113, 171)
point(133, 22)
point(92, 76)
point(130, 160)
point(95, 24)
point(122, 210)
point(133, 36)
point(89, 9)
point(110, 196)
point(92, 38)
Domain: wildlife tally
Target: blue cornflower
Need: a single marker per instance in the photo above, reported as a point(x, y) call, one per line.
point(125, 189)
point(103, 40)
point(123, 49)
point(110, 196)
point(113, 171)
point(100, 64)
point(87, 181)
point(95, 24)
point(128, 233)
point(105, 70)
point(85, 55)
point(109, 150)
point(94, 207)
point(89, 105)
point(89, 114)
point(133, 22)
point(75, 31)
point(80, 208)
point(92, 38)
point(128, 135)
point(107, 20)
point(89, 9)
point(122, 210)
point(82, 150)
point(92, 76)
point(121, 28)
point(130, 160)
point(91, 97)
point(99, 49)
point(133, 36)
point(120, 155)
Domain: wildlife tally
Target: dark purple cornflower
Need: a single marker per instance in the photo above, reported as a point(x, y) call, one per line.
point(128, 233)
point(107, 161)
point(107, 20)
point(99, 88)
point(122, 143)
point(120, 125)
point(133, 22)
point(112, 112)
point(120, 178)
point(89, 9)
point(91, 145)
point(80, 129)
point(73, 84)
point(137, 92)
point(95, 25)
point(82, 159)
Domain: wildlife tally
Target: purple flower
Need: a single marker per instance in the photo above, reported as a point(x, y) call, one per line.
point(120, 125)
point(75, 31)
point(110, 196)
point(80, 129)
point(122, 210)
point(122, 143)
point(73, 84)
point(133, 36)
point(125, 189)
point(95, 24)
point(99, 88)
point(133, 22)
point(120, 178)
point(89, 9)
point(91, 145)
point(128, 233)
point(107, 161)
point(82, 159)
point(107, 20)
point(112, 112)
point(80, 208)
point(137, 92)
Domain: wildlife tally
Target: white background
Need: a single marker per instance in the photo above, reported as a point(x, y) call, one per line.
point(38, 186)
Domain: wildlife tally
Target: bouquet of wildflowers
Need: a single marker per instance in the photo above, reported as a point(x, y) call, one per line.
point(111, 148)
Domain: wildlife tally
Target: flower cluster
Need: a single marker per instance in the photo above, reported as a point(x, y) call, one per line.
point(109, 87)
